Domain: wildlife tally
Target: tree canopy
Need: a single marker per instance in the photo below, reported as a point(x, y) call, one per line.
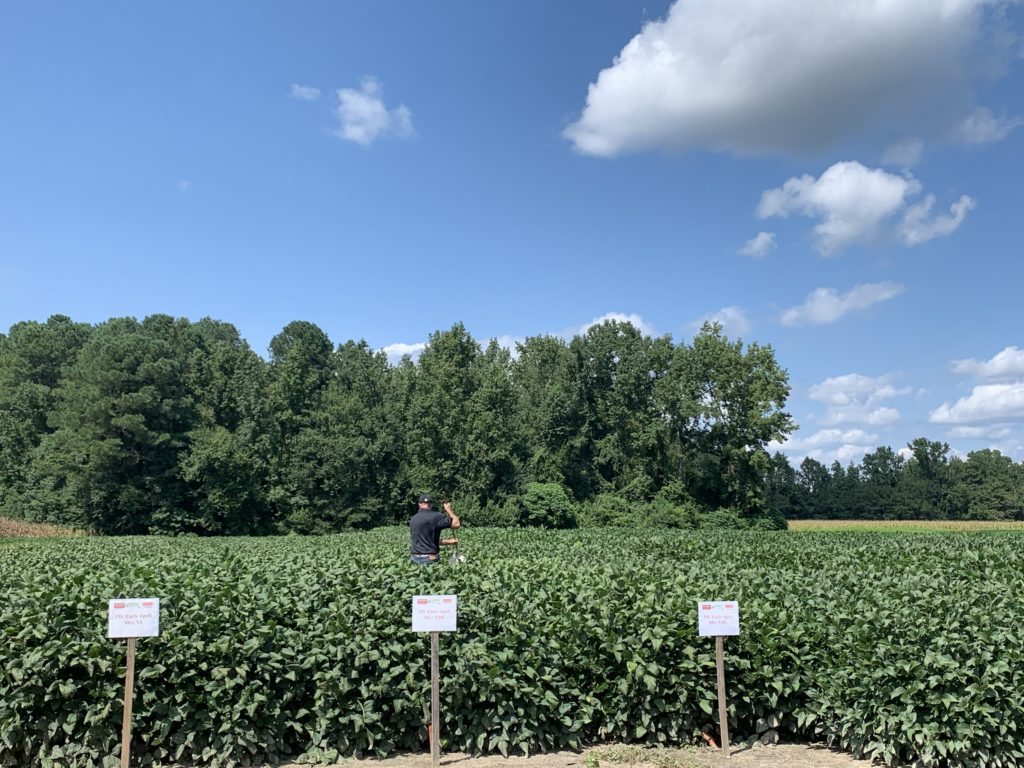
point(170, 426)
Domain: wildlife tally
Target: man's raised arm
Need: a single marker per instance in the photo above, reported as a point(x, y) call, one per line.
point(454, 518)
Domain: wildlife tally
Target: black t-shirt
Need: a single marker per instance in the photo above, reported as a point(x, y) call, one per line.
point(426, 526)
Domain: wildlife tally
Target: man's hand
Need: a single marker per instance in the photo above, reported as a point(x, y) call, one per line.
point(451, 513)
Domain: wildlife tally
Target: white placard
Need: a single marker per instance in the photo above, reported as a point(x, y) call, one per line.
point(718, 618)
point(133, 617)
point(434, 613)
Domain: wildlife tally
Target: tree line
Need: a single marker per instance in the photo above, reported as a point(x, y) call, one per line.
point(170, 426)
point(924, 483)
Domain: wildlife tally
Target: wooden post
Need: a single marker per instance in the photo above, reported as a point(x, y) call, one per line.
point(129, 690)
point(435, 700)
point(723, 714)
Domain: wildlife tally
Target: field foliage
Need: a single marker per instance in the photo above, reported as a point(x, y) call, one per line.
point(900, 646)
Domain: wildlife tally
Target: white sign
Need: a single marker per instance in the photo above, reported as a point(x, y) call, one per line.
point(718, 618)
point(434, 613)
point(134, 617)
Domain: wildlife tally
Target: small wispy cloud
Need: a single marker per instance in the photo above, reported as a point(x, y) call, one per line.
point(732, 319)
point(824, 305)
point(828, 445)
point(1009, 362)
point(620, 317)
point(304, 92)
point(184, 185)
point(917, 228)
point(904, 154)
point(983, 127)
point(395, 352)
point(759, 246)
point(994, 432)
point(364, 117)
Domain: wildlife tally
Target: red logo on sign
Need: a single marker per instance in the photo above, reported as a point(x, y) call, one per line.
point(147, 602)
point(446, 600)
point(706, 607)
point(422, 601)
point(119, 605)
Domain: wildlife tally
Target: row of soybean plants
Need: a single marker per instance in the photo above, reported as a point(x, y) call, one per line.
point(899, 646)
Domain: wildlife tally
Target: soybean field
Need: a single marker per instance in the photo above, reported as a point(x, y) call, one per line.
point(906, 647)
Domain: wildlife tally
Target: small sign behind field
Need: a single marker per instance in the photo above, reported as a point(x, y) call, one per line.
point(435, 613)
point(718, 618)
point(136, 617)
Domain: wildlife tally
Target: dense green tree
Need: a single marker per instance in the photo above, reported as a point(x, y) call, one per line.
point(725, 404)
point(815, 484)
point(495, 449)
point(924, 484)
point(463, 434)
point(623, 446)
point(301, 366)
point(547, 505)
point(33, 357)
point(121, 421)
point(227, 457)
point(437, 429)
point(549, 391)
point(987, 486)
point(221, 470)
point(785, 497)
point(345, 463)
point(881, 470)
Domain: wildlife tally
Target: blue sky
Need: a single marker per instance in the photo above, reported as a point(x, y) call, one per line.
point(839, 180)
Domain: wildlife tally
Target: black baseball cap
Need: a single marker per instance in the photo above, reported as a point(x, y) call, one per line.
point(425, 499)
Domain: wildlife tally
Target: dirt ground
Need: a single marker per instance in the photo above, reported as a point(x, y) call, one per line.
point(777, 756)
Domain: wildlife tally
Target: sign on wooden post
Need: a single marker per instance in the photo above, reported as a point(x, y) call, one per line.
point(131, 619)
point(435, 614)
point(719, 619)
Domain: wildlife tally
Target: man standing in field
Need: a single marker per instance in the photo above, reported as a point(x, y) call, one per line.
point(426, 526)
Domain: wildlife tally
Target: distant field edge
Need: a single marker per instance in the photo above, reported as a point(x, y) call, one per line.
point(22, 529)
point(906, 525)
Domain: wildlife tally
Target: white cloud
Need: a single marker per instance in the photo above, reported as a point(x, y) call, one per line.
point(395, 352)
point(983, 127)
point(860, 205)
point(827, 437)
point(854, 398)
point(183, 185)
point(916, 229)
point(997, 432)
point(365, 118)
point(638, 322)
point(987, 402)
point(759, 246)
point(824, 306)
point(304, 92)
point(828, 445)
point(905, 154)
point(790, 75)
point(510, 343)
point(732, 319)
point(1008, 363)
